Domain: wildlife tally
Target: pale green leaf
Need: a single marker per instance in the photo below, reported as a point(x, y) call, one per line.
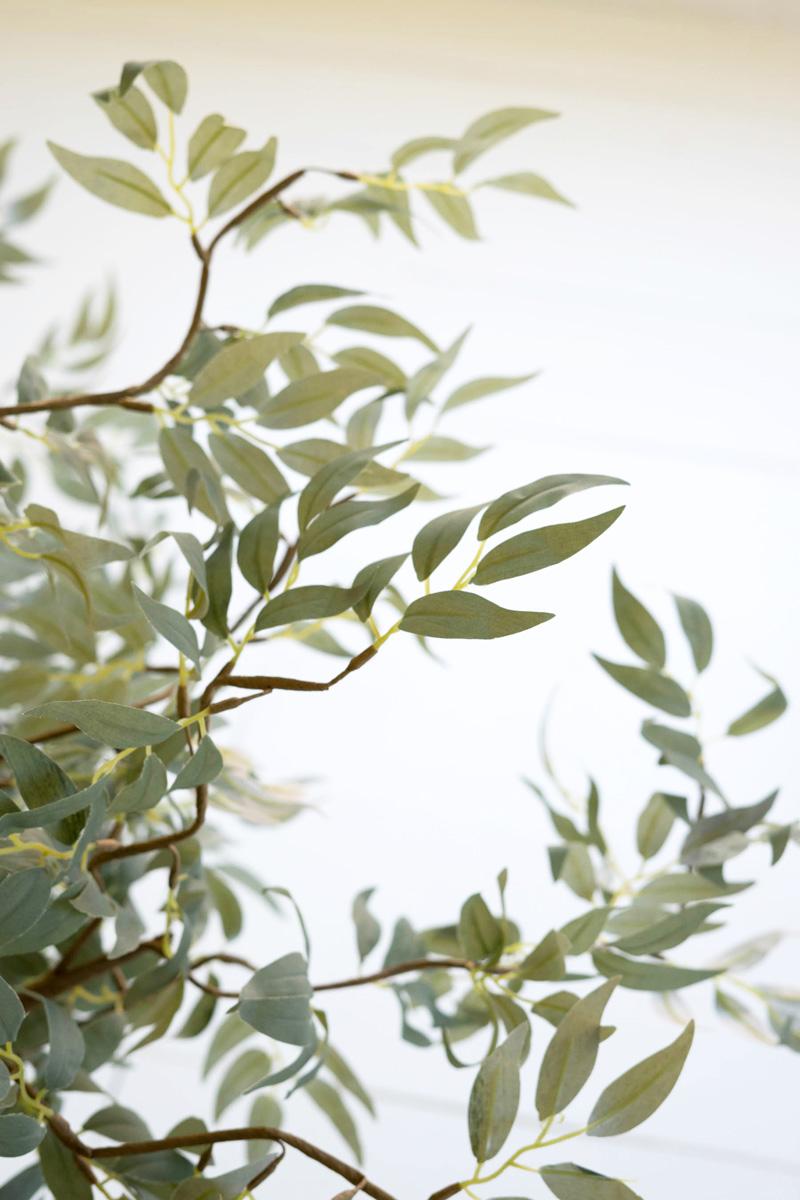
point(636, 1095)
point(571, 1055)
point(465, 615)
point(238, 367)
point(114, 181)
point(492, 128)
point(115, 725)
point(239, 176)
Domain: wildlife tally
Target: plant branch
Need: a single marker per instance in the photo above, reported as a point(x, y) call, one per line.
point(163, 842)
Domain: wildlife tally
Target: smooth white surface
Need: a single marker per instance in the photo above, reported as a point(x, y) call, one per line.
point(663, 312)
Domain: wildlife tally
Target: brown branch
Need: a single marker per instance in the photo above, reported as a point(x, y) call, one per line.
point(55, 982)
point(163, 842)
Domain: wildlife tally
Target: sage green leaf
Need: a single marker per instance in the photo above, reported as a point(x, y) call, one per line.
point(11, 1013)
point(681, 750)
point(654, 825)
point(513, 506)
point(119, 1124)
point(239, 176)
point(39, 779)
point(476, 389)
point(368, 928)
point(572, 864)
point(465, 615)
point(55, 925)
point(684, 888)
point(192, 473)
point(309, 293)
point(636, 1095)
point(323, 487)
point(572, 1052)
point(374, 578)
point(539, 548)
point(649, 685)
point(526, 183)
point(639, 629)
point(172, 625)
point(238, 367)
point(439, 537)
point(220, 583)
point(454, 208)
point(312, 602)
point(265, 1110)
point(670, 931)
point(249, 466)
point(347, 1077)
point(211, 144)
point(413, 149)
point(24, 897)
point(203, 767)
point(131, 114)
point(335, 523)
point(773, 705)
point(546, 961)
point(230, 1034)
point(313, 398)
point(582, 932)
point(276, 1001)
point(378, 365)
point(248, 1068)
point(142, 793)
point(61, 1172)
point(436, 448)
point(258, 545)
point(492, 128)
point(708, 841)
point(371, 318)
point(697, 627)
point(570, 1182)
point(114, 725)
point(19, 1135)
point(329, 1101)
point(645, 976)
point(480, 935)
point(114, 181)
point(66, 1046)
point(494, 1099)
point(169, 82)
point(309, 454)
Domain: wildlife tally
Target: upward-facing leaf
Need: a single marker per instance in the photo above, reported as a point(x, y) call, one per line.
point(323, 487)
point(335, 523)
point(639, 629)
point(479, 933)
point(494, 1098)
point(697, 627)
point(513, 506)
point(238, 367)
point(24, 896)
point(309, 293)
point(539, 548)
point(172, 625)
point(239, 176)
point(487, 131)
point(637, 1094)
point(313, 397)
point(476, 389)
point(571, 1055)
point(312, 602)
point(773, 705)
point(212, 143)
point(439, 537)
point(114, 181)
point(39, 779)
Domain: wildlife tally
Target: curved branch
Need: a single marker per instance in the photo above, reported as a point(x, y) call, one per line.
point(163, 842)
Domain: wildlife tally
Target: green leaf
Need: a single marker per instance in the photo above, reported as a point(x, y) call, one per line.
point(582, 932)
point(249, 466)
point(258, 545)
point(131, 114)
point(435, 448)
point(636, 1095)
point(476, 389)
point(455, 210)
point(313, 602)
point(19, 1135)
point(66, 1047)
point(142, 793)
point(114, 181)
point(654, 825)
point(329, 1101)
point(313, 398)
point(526, 183)
point(323, 487)
point(172, 625)
point(668, 932)
point(220, 583)
point(347, 1077)
point(230, 1034)
point(697, 627)
point(211, 144)
point(24, 897)
point(543, 493)
point(12, 1013)
point(39, 779)
point(412, 150)
point(114, 725)
point(24, 1185)
point(539, 548)
point(119, 1124)
point(494, 1098)
point(370, 318)
point(374, 578)
point(773, 705)
point(570, 1182)
point(169, 82)
point(647, 977)
point(681, 750)
point(649, 685)
point(708, 842)
point(378, 365)
point(239, 176)
point(368, 928)
point(276, 1001)
point(335, 523)
point(546, 961)
point(193, 475)
point(203, 767)
point(248, 1068)
point(265, 1110)
point(61, 1172)
point(465, 615)
point(639, 629)
point(309, 293)
point(686, 887)
point(572, 1053)
point(494, 127)
point(480, 935)
point(438, 538)
point(238, 367)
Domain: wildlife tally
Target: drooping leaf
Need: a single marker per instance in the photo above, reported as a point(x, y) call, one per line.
point(697, 627)
point(329, 1101)
point(249, 466)
point(465, 615)
point(546, 960)
point(131, 114)
point(476, 389)
point(276, 1001)
point(247, 1069)
point(636, 1095)
point(454, 208)
point(309, 293)
point(374, 578)
point(639, 629)
point(708, 841)
point(66, 1046)
point(119, 1124)
point(649, 685)
point(12, 1013)
point(647, 976)
point(19, 1135)
point(220, 583)
point(526, 183)
point(258, 545)
point(172, 625)
point(24, 897)
point(368, 929)
point(114, 181)
point(61, 1172)
point(494, 1098)
point(570, 1182)
point(203, 767)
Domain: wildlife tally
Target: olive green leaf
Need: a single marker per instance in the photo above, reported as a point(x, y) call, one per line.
point(513, 506)
point(697, 626)
point(276, 1001)
point(211, 144)
point(454, 208)
point(246, 1070)
point(313, 398)
point(192, 473)
point(570, 1182)
point(681, 750)
point(572, 1052)
point(374, 578)
point(236, 178)
point(370, 318)
point(378, 365)
point(131, 114)
point(335, 523)
point(494, 1098)
point(119, 1124)
point(683, 888)
point(480, 935)
point(115, 725)
point(169, 82)
point(476, 389)
point(712, 840)
point(309, 293)
point(413, 149)
point(327, 482)
point(220, 583)
point(465, 615)
point(172, 625)
point(436, 448)
point(546, 961)
point(670, 931)
point(492, 128)
point(582, 932)
point(114, 181)
point(238, 367)
point(249, 466)
point(773, 705)
point(311, 602)
point(12, 1013)
point(526, 183)
point(66, 1046)
point(645, 976)
point(649, 685)
point(19, 1135)
point(24, 896)
point(438, 538)
point(368, 929)
point(539, 548)
point(636, 1095)
point(654, 825)
point(258, 545)
point(639, 629)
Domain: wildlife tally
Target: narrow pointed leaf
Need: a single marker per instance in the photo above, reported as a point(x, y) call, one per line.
point(465, 615)
point(636, 1095)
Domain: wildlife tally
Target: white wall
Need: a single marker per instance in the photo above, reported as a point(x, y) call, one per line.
point(663, 312)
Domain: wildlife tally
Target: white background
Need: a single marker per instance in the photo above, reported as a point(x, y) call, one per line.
point(662, 312)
